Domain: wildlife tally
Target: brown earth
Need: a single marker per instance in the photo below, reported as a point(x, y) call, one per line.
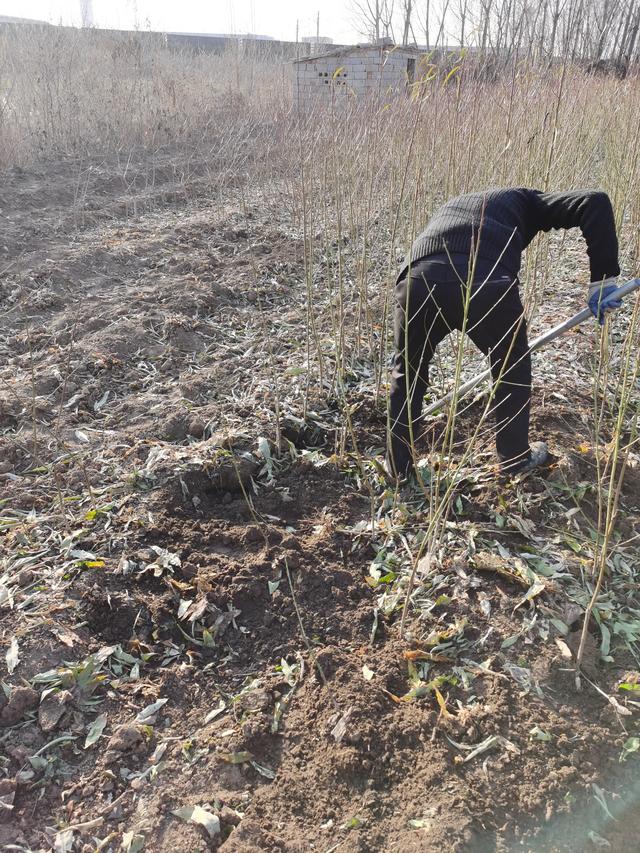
point(155, 548)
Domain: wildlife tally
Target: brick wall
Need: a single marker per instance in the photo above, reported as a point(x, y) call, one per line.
point(360, 73)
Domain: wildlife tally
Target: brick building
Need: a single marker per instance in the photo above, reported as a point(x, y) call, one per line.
point(366, 69)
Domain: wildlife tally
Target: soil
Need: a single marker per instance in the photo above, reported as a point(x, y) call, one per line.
point(156, 547)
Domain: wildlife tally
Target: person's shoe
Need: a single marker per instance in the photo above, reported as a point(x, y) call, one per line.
point(539, 454)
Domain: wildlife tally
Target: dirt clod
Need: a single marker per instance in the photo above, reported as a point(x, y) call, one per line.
point(53, 708)
point(126, 737)
point(22, 700)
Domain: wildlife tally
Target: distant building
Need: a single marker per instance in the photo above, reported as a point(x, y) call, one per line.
point(9, 19)
point(213, 42)
point(360, 70)
point(317, 40)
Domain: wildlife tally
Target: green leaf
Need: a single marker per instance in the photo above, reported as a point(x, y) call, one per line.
point(288, 672)
point(510, 641)
point(388, 578)
point(573, 544)
point(96, 729)
point(90, 564)
point(353, 823)
point(631, 745)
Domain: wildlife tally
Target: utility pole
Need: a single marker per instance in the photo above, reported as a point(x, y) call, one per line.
point(318, 28)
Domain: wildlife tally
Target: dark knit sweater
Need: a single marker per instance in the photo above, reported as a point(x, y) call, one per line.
point(499, 224)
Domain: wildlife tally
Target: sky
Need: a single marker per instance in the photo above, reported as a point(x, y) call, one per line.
point(275, 18)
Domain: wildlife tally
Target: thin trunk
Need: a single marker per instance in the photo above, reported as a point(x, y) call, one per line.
point(543, 32)
point(427, 23)
point(445, 9)
point(408, 10)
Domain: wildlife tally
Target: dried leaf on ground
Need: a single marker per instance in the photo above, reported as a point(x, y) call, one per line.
point(147, 715)
point(132, 843)
point(95, 730)
point(235, 757)
point(63, 842)
point(196, 814)
point(13, 655)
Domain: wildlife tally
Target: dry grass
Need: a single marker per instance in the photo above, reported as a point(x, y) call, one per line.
point(345, 186)
point(356, 178)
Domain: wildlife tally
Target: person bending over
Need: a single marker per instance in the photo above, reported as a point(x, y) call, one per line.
point(477, 240)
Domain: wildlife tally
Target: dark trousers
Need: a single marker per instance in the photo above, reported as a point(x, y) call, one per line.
point(428, 306)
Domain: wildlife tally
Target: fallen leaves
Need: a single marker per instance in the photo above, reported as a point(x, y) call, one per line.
point(196, 814)
point(536, 733)
point(443, 705)
point(339, 731)
point(12, 656)
point(474, 750)
point(630, 746)
point(241, 757)
point(420, 654)
point(511, 570)
point(148, 714)
point(367, 673)
point(630, 683)
point(63, 842)
point(132, 843)
point(95, 730)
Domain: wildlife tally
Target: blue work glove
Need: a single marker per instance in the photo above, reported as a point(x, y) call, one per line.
point(601, 299)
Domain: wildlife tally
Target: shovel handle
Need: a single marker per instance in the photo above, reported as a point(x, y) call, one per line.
point(624, 290)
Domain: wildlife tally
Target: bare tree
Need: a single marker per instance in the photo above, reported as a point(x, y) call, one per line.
point(603, 34)
point(462, 13)
point(484, 25)
point(440, 34)
point(427, 23)
point(407, 12)
point(629, 42)
point(376, 16)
